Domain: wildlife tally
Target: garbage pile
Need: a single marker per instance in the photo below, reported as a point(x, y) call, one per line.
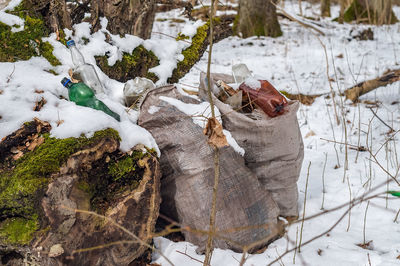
point(254, 189)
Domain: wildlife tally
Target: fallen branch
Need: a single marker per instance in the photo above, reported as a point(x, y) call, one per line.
point(364, 87)
point(302, 21)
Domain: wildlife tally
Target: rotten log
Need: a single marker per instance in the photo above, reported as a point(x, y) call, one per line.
point(38, 199)
point(364, 87)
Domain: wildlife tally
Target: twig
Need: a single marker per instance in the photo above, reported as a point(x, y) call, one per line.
point(209, 247)
point(137, 239)
point(383, 122)
point(323, 182)
point(10, 76)
point(304, 207)
point(192, 258)
point(293, 18)
point(365, 222)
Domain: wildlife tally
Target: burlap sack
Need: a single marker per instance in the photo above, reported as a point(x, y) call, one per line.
point(273, 147)
point(187, 166)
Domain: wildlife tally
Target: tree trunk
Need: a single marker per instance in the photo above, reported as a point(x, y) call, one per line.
point(134, 17)
point(258, 18)
point(376, 12)
point(325, 8)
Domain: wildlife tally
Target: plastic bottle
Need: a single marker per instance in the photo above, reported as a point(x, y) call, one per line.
point(86, 71)
point(82, 95)
point(240, 72)
point(265, 96)
point(135, 88)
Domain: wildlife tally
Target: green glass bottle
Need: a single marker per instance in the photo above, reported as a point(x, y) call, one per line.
point(82, 95)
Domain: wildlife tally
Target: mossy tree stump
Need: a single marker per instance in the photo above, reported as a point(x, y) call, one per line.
point(43, 181)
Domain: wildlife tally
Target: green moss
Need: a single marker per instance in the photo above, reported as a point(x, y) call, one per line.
point(18, 45)
point(47, 52)
point(191, 54)
point(181, 37)
point(21, 187)
point(119, 169)
point(18, 231)
point(132, 65)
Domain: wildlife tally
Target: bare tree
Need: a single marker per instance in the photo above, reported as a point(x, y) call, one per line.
point(127, 16)
point(325, 8)
point(258, 18)
point(124, 16)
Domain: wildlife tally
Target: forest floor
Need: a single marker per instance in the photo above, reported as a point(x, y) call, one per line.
point(296, 62)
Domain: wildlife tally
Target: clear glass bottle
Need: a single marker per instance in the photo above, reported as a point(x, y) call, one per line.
point(86, 72)
point(135, 89)
point(82, 95)
point(240, 72)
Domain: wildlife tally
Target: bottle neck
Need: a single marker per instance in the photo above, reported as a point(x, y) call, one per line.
point(67, 84)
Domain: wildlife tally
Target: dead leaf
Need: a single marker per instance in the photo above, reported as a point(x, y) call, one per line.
point(18, 155)
point(58, 35)
point(36, 142)
point(59, 122)
point(1, 92)
point(310, 134)
point(39, 91)
point(339, 56)
point(398, 257)
point(319, 252)
point(39, 104)
point(73, 76)
point(190, 92)
point(214, 132)
point(368, 245)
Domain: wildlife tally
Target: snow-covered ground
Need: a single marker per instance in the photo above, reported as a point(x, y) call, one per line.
point(295, 62)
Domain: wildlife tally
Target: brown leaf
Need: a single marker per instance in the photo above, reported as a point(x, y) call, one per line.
point(367, 245)
point(59, 122)
point(18, 155)
point(398, 257)
point(39, 91)
point(36, 142)
point(74, 77)
point(214, 132)
point(1, 92)
point(39, 104)
point(310, 134)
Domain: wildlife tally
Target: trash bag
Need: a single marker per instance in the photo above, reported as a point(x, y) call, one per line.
point(273, 147)
point(187, 166)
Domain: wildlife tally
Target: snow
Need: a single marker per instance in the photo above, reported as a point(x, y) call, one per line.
point(294, 62)
point(253, 83)
point(199, 114)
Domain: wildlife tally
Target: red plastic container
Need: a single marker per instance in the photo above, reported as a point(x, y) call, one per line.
point(266, 97)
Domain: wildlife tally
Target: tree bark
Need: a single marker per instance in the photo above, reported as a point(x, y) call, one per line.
point(325, 8)
point(258, 18)
point(364, 87)
point(134, 17)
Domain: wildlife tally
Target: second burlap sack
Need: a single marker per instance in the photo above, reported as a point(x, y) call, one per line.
point(273, 147)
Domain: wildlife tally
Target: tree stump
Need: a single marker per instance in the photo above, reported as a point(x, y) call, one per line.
point(59, 196)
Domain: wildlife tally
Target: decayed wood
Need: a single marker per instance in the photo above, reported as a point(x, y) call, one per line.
point(62, 229)
point(364, 87)
point(22, 140)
